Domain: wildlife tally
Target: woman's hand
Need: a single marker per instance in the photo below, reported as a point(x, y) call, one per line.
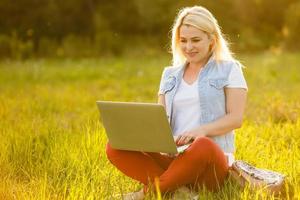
point(188, 137)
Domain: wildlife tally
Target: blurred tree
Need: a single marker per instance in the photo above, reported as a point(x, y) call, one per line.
point(251, 24)
point(291, 30)
point(122, 17)
point(32, 19)
point(261, 22)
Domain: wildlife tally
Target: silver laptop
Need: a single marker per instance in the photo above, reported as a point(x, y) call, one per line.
point(138, 127)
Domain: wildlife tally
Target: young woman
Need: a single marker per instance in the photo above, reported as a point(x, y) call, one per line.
point(204, 94)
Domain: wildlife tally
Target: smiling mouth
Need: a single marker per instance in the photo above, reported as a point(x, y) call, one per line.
point(192, 53)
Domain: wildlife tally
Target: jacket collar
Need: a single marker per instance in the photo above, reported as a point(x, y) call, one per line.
point(178, 73)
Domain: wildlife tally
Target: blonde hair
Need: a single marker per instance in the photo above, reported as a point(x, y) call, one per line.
point(202, 19)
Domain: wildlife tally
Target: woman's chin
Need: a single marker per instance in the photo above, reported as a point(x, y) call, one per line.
point(192, 60)
point(195, 59)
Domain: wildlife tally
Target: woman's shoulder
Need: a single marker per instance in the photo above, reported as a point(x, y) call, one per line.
point(171, 70)
point(227, 65)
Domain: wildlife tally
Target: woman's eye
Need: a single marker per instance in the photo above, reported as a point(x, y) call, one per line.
point(183, 41)
point(196, 40)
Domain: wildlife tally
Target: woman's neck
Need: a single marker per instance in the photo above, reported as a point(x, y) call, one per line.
point(198, 65)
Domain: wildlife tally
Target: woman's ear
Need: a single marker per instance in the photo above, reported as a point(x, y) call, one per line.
point(212, 43)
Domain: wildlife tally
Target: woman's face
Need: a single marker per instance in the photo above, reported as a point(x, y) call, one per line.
point(194, 44)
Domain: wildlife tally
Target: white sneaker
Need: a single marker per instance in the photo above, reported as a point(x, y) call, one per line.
point(139, 195)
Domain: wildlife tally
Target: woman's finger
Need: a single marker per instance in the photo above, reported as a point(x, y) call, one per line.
point(181, 139)
point(184, 139)
point(187, 139)
point(177, 139)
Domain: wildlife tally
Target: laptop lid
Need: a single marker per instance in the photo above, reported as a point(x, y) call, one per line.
point(137, 126)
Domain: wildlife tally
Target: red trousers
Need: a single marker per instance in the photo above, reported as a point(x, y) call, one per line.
point(202, 164)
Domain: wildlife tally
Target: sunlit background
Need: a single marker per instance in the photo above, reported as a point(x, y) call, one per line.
point(31, 28)
point(58, 57)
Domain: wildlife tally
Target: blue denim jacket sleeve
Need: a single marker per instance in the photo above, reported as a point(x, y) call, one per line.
point(167, 83)
point(211, 83)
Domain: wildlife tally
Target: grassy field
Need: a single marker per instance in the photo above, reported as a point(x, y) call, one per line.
point(52, 144)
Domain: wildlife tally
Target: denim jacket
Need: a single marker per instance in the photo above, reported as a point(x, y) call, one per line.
point(211, 82)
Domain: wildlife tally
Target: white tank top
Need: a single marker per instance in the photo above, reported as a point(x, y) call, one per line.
point(186, 115)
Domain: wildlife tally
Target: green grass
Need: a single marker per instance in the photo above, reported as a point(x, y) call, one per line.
point(52, 144)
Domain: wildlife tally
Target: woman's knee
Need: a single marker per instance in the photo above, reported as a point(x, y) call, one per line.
point(204, 143)
point(206, 148)
point(203, 148)
point(111, 152)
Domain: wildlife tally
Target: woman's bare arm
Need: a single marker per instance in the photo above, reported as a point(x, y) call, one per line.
point(235, 106)
point(161, 100)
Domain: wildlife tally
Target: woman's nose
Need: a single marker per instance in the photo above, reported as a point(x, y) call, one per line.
point(189, 46)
